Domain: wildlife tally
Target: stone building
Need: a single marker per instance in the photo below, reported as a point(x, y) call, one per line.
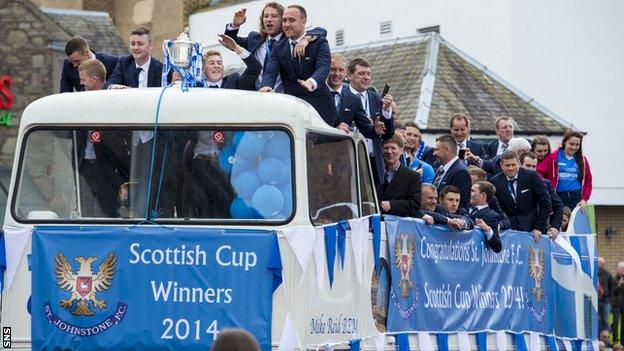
point(33, 51)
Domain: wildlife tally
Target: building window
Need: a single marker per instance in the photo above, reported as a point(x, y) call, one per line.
point(340, 37)
point(385, 28)
point(430, 29)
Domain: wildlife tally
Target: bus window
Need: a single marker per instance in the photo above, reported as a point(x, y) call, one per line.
point(95, 174)
point(332, 191)
point(366, 182)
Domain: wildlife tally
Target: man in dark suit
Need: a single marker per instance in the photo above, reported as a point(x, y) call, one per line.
point(399, 194)
point(303, 77)
point(449, 199)
point(139, 70)
point(452, 170)
point(522, 195)
point(213, 68)
point(260, 44)
point(504, 127)
point(474, 150)
point(434, 213)
point(351, 114)
point(528, 160)
point(378, 109)
point(485, 218)
point(77, 51)
point(479, 175)
point(103, 159)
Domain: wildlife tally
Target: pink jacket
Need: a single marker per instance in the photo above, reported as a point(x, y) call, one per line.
point(549, 169)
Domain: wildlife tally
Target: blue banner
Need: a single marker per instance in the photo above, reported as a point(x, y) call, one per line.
point(451, 281)
point(150, 287)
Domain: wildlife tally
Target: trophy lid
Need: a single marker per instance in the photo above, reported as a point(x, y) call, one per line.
point(183, 37)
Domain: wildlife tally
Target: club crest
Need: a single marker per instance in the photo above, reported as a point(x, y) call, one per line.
point(404, 249)
point(536, 272)
point(84, 284)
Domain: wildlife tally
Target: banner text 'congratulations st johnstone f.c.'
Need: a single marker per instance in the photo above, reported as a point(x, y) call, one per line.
point(150, 287)
point(451, 281)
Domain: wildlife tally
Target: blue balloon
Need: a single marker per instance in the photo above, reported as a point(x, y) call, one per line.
point(251, 145)
point(241, 164)
point(267, 200)
point(237, 138)
point(240, 209)
point(286, 190)
point(278, 146)
point(288, 169)
point(271, 171)
point(246, 184)
point(226, 158)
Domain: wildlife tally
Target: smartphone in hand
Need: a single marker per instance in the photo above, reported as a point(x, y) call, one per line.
point(385, 91)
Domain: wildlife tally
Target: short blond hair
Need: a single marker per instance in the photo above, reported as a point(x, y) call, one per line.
point(339, 57)
point(211, 53)
point(94, 68)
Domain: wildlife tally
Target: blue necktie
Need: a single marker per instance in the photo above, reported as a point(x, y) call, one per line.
point(439, 176)
point(213, 86)
point(137, 71)
point(336, 97)
point(510, 185)
point(268, 52)
point(295, 59)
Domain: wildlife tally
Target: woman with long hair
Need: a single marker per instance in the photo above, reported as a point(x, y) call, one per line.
point(568, 171)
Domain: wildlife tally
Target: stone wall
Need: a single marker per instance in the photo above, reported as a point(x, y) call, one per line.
point(61, 4)
point(611, 246)
point(25, 55)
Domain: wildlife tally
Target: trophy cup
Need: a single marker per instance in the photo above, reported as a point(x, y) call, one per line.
point(184, 56)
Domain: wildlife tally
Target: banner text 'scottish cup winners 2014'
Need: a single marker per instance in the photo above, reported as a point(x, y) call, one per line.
point(99, 288)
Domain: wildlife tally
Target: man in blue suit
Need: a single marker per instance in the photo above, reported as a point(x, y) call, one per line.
point(139, 70)
point(378, 109)
point(528, 160)
point(351, 114)
point(484, 217)
point(77, 51)
point(504, 128)
point(474, 150)
point(452, 170)
point(303, 77)
point(523, 196)
point(260, 44)
point(213, 68)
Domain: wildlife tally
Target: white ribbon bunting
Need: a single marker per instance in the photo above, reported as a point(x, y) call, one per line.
point(319, 257)
point(289, 340)
point(15, 239)
point(501, 341)
point(301, 240)
point(359, 244)
point(424, 341)
point(534, 341)
point(464, 341)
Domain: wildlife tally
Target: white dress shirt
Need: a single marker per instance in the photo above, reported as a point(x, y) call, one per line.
point(386, 114)
point(143, 73)
point(260, 54)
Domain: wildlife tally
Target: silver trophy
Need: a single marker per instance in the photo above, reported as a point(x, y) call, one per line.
point(181, 50)
point(184, 56)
